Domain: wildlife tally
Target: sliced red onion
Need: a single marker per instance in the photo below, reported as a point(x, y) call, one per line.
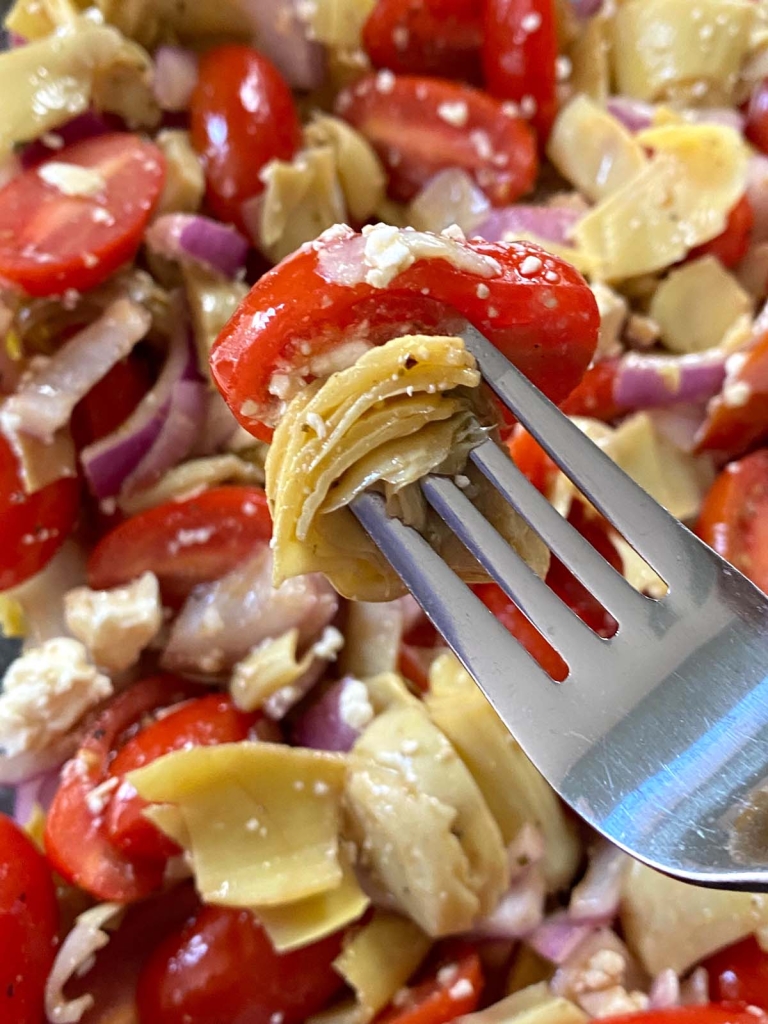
point(519, 911)
point(450, 197)
point(334, 721)
point(39, 790)
point(633, 114)
point(192, 237)
point(586, 8)
point(109, 462)
point(549, 223)
point(282, 33)
point(645, 381)
point(85, 126)
point(694, 991)
point(558, 937)
point(665, 990)
point(680, 424)
point(219, 425)
point(597, 895)
point(44, 401)
point(175, 77)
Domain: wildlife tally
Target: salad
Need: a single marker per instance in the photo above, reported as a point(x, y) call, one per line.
point(238, 242)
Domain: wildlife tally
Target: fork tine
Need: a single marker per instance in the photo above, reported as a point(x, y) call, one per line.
point(483, 645)
point(650, 529)
point(586, 564)
point(564, 630)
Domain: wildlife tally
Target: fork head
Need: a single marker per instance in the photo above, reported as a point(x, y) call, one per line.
point(659, 735)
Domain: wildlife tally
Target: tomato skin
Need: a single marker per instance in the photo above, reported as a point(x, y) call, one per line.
point(756, 128)
point(734, 517)
point(110, 402)
point(552, 352)
point(733, 428)
point(242, 115)
point(426, 37)
point(731, 246)
point(50, 242)
point(32, 526)
point(593, 397)
point(29, 921)
point(202, 722)
point(739, 974)
point(519, 57)
point(713, 1013)
point(230, 522)
point(221, 966)
point(401, 118)
point(431, 1002)
point(76, 842)
point(531, 459)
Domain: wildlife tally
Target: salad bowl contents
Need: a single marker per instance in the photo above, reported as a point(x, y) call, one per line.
point(237, 244)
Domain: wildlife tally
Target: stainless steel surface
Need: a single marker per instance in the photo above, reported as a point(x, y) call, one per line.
point(659, 735)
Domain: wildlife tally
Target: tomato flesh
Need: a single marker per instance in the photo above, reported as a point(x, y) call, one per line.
point(713, 1013)
point(184, 542)
point(740, 974)
point(221, 967)
point(732, 427)
point(51, 241)
point(420, 126)
point(512, 309)
point(29, 921)
point(242, 115)
point(731, 246)
point(452, 989)
point(593, 397)
point(110, 402)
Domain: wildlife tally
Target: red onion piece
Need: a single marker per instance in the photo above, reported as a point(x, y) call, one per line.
point(323, 726)
point(680, 424)
point(598, 894)
point(694, 991)
point(39, 790)
point(282, 34)
point(549, 223)
point(175, 77)
point(757, 194)
point(84, 126)
point(192, 237)
point(558, 937)
point(665, 990)
point(633, 114)
point(586, 8)
point(519, 911)
point(645, 381)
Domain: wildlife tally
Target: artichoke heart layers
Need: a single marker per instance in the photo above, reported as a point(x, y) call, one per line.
point(405, 409)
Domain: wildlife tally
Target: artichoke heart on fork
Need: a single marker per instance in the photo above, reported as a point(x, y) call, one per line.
point(405, 409)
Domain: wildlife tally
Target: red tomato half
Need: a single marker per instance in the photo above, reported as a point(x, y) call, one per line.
point(453, 988)
point(735, 421)
point(203, 722)
point(184, 542)
point(420, 126)
point(32, 526)
point(29, 921)
point(221, 967)
point(740, 974)
point(593, 397)
point(519, 55)
point(242, 115)
point(714, 1013)
point(50, 241)
point(734, 517)
point(426, 37)
point(544, 320)
point(732, 244)
point(110, 402)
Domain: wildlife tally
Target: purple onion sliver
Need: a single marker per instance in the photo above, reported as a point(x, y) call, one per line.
point(519, 911)
point(175, 77)
point(283, 36)
point(221, 246)
point(635, 115)
point(558, 937)
point(648, 381)
point(109, 462)
point(665, 990)
point(549, 223)
point(39, 790)
point(586, 8)
point(322, 727)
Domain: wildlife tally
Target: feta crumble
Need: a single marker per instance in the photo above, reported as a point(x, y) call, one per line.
point(71, 179)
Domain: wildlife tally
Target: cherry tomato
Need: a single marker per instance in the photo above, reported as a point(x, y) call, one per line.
point(593, 397)
point(739, 974)
point(453, 988)
point(420, 126)
point(737, 419)
point(184, 542)
point(76, 841)
point(756, 128)
point(734, 517)
point(714, 1013)
point(203, 722)
point(29, 921)
point(731, 246)
point(426, 37)
point(242, 115)
point(51, 241)
point(110, 402)
point(567, 588)
point(519, 58)
point(548, 328)
point(32, 526)
point(531, 459)
point(221, 967)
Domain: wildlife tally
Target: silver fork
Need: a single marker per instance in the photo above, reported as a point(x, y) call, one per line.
point(659, 735)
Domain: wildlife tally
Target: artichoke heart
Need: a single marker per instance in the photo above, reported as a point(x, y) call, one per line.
point(405, 409)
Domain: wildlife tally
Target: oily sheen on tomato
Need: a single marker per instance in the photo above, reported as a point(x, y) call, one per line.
point(739, 974)
point(75, 236)
point(426, 37)
point(242, 115)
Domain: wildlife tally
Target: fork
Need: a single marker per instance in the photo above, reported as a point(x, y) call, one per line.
point(658, 737)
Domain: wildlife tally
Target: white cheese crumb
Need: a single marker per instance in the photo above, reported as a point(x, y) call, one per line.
point(355, 707)
point(456, 114)
point(461, 989)
point(483, 291)
point(531, 22)
point(531, 265)
point(447, 973)
point(71, 179)
point(736, 394)
point(385, 81)
point(320, 788)
point(97, 798)
point(389, 251)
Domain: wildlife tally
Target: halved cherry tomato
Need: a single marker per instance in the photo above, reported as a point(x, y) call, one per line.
point(737, 419)
point(242, 115)
point(519, 55)
point(76, 841)
point(32, 526)
point(453, 988)
point(544, 320)
point(110, 402)
point(594, 395)
point(426, 37)
point(29, 921)
point(531, 459)
point(221, 967)
point(184, 542)
point(734, 517)
point(732, 244)
point(714, 1013)
point(740, 974)
point(420, 126)
point(756, 128)
point(203, 722)
point(567, 588)
point(51, 241)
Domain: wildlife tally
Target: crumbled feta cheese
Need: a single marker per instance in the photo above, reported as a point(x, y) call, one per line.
point(613, 313)
point(46, 691)
point(385, 81)
point(531, 265)
point(389, 251)
point(736, 394)
point(116, 625)
point(71, 179)
point(456, 114)
point(461, 989)
point(355, 708)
